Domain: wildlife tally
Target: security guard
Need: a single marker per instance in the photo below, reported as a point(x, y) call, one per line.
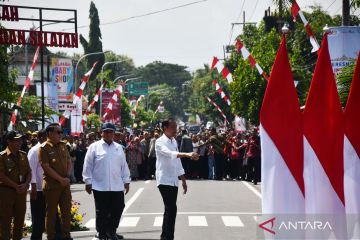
point(56, 163)
point(15, 177)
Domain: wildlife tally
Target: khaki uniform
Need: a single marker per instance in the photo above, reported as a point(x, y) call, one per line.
point(12, 204)
point(56, 155)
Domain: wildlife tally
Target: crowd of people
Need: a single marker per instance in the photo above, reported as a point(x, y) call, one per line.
point(220, 156)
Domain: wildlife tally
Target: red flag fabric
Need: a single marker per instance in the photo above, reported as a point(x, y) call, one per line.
point(295, 10)
point(282, 141)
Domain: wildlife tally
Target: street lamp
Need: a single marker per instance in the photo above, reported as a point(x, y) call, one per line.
point(119, 77)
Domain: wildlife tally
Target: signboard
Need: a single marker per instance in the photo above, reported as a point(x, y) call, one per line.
point(66, 107)
point(115, 115)
point(51, 97)
point(344, 45)
point(138, 88)
point(14, 13)
point(62, 75)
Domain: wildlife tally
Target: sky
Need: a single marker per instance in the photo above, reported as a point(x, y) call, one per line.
point(187, 32)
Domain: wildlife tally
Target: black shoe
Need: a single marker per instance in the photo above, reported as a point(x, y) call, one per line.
point(112, 236)
point(102, 237)
point(119, 236)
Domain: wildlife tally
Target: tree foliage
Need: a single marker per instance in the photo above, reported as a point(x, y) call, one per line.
point(344, 79)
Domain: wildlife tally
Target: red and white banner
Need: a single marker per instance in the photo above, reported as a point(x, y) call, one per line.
point(352, 154)
point(133, 112)
point(295, 10)
point(323, 126)
point(281, 134)
point(26, 86)
point(246, 55)
point(218, 108)
point(221, 92)
point(221, 69)
point(116, 96)
point(91, 105)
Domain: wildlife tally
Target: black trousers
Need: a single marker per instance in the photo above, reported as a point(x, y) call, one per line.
point(109, 207)
point(169, 196)
point(38, 217)
point(219, 166)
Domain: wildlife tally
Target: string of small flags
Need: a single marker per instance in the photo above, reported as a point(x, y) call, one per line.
point(221, 92)
point(295, 10)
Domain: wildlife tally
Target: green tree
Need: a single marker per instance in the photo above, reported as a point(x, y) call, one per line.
point(94, 44)
point(344, 79)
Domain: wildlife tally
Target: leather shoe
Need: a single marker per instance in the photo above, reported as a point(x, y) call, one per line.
point(102, 237)
point(112, 236)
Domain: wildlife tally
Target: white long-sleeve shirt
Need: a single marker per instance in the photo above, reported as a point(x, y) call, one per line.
point(105, 167)
point(168, 165)
point(36, 169)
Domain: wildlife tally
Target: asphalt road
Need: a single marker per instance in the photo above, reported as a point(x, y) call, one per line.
point(210, 210)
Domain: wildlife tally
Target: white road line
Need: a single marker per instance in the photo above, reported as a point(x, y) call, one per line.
point(158, 221)
point(91, 223)
point(197, 221)
point(147, 181)
point(132, 199)
point(232, 221)
point(129, 222)
point(194, 213)
point(254, 190)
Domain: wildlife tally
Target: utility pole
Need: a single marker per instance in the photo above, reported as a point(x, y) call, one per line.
point(226, 48)
point(346, 12)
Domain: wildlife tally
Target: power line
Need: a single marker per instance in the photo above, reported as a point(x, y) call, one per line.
point(330, 5)
point(252, 14)
point(232, 25)
point(142, 15)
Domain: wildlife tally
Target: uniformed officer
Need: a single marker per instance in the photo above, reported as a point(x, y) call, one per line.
point(56, 163)
point(15, 177)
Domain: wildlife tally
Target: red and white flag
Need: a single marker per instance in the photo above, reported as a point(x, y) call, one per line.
point(26, 86)
point(352, 154)
point(224, 71)
point(282, 183)
point(91, 105)
point(133, 112)
point(323, 147)
point(218, 108)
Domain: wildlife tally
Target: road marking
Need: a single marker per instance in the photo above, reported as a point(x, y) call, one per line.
point(129, 222)
point(254, 190)
point(132, 199)
point(197, 221)
point(195, 213)
point(91, 223)
point(158, 221)
point(232, 221)
point(147, 181)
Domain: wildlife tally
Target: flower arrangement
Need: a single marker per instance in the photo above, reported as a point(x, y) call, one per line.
point(76, 217)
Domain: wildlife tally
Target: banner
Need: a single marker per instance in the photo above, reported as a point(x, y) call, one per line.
point(344, 45)
point(114, 116)
point(75, 118)
point(51, 98)
point(62, 74)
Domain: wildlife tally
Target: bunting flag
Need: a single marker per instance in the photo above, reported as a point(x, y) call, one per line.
point(221, 92)
point(114, 99)
point(133, 112)
point(160, 108)
point(295, 10)
point(323, 126)
point(92, 104)
point(218, 108)
point(28, 80)
point(282, 153)
point(246, 55)
point(221, 69)
point(352, 154)
point(81, 88)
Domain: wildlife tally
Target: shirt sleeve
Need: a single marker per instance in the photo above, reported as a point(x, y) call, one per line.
point(33, 161)
point(43, 157)
point(125, 172)
point(180, 169)
point(89, 165)
point(164, 151)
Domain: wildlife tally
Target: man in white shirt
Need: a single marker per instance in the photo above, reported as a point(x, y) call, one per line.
point(107, 174)
point(168, 170)
point(37, 200)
